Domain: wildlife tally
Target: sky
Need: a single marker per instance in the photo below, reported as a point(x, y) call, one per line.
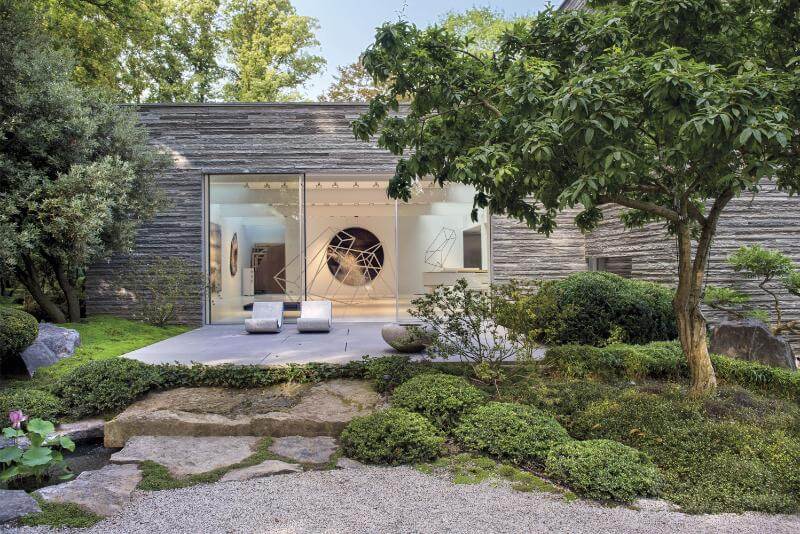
point(347, 27)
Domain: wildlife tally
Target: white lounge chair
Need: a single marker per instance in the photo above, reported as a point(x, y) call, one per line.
point(315, 316)
point(267, 317)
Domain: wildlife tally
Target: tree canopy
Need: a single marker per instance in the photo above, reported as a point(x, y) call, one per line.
point(76, 172)
point(184, 50)
point(670, 109)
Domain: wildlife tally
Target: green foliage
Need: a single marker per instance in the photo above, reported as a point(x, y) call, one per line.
point(42, 455)
point(388, 372)
point(758, 377)
point(393, 436)
point(603, 469)
point(60, 515)
point(654, 360)
point(596, 308)
point(757, 262)
point(17, 330)
point(441, 398)
point(32, 402)
point(461, 322)
point(708, 465)
point(105, 386)
point(520, 434)
point(162, 287)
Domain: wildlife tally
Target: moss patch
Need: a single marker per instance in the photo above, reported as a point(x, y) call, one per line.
point(60, 515)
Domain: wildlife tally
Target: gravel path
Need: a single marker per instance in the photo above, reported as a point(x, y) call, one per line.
point(399, 500)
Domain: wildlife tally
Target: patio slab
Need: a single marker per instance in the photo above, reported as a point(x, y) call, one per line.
point(218, 344)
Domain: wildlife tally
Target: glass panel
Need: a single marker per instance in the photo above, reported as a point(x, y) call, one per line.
point(350, 246)
point(254, 239)
point(439, 243)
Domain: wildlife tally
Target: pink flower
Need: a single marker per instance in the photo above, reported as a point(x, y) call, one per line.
point(17, 417)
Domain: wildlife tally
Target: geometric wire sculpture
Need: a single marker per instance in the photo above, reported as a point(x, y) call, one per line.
point(439, 249)
point(355, 256)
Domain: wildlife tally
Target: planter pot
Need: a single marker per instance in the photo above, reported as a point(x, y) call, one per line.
point(406, 337)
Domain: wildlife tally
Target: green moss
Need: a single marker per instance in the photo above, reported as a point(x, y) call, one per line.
point(60, 515)
point(156, 477)
point(104, 337)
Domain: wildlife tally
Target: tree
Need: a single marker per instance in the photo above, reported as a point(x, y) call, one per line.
point(76, 172)
point(183, 50)
point(668, 109)
point(482, 27)
point(266, 42)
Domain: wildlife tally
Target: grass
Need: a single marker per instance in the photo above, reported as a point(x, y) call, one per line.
point(156, 477)
point(104, 337)
point(60, 515)
point(469, 469)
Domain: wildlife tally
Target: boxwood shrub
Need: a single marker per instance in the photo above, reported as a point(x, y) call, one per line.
point(603, 469)
point(32, 402)
point(393, 436)
point(105, 385)
point(439, 397)
point(18, 329)
point(513, 432)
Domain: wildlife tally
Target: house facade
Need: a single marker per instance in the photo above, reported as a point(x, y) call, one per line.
point(280, 202)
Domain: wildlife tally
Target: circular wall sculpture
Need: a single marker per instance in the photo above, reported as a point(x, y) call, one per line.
point(234, 254)
point(355, 256)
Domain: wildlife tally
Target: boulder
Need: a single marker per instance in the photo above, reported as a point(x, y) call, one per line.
point(53, 343)
point(316, 450)
point(323, 409)
point(751, 340)
point(264, 469)
point(103, 492)
point(15, 504)
point(183, 456)
point(347, 463)
point(405, 337)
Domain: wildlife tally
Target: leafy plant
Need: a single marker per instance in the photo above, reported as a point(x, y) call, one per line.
point(17, 330)
point(603, 469)
point(441, 398)
point(514, 432)
point(32, 402)
point(461, 322)
point(42, 454)
point(161, 286)
point(393, 436)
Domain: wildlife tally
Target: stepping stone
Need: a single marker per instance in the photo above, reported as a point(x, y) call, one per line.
point(15, 504)
point(264, 469)
point(322, 409)
point(347, 463)
point(183, 456)
point(103, 492)
point(316, 450)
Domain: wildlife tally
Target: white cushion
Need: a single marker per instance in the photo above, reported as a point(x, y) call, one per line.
point(262, 325)
point(315, 316)
point(267, 317)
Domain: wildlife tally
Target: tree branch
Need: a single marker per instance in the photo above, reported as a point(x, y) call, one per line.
point(649, 207)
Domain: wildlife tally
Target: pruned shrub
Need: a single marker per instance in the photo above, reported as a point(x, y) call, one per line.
point(393, 436)
point(514, 432)
point(18, 329)
point(598, 308)
point(439, 397)
point(105, 385)
point(388, 372)
point(603, 469)
point(34, 403)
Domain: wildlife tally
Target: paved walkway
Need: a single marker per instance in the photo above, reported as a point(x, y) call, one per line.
point(216, 344)
point(389, 500)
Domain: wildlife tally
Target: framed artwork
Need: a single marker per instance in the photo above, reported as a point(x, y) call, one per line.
point(234, 263)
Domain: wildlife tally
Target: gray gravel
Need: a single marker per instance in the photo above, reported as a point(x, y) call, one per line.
point(399, 500)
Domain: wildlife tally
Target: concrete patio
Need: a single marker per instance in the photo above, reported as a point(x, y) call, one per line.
point(218, 344)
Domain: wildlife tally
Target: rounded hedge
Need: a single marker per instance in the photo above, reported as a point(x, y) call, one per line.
point(603, 469)
point(393, 436)
point(18, 329)
point(514, 432)
point(105, 385)
point(439, 397)
point(32, 402)
point(598, 308)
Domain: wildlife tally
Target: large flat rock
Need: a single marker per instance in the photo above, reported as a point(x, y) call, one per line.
point(183, 455)
point(264, 469)
point(103, 492)
point(323, 409)
point(316, 450)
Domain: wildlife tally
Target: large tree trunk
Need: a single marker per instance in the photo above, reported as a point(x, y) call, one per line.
point(29, 277)
point(68, 288)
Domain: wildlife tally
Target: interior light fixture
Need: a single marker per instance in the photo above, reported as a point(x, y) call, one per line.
point(376, 185)
point(335, 185)
point(319, 184)
point(355, 185)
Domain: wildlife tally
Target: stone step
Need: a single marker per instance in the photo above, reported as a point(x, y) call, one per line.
point(322, 409)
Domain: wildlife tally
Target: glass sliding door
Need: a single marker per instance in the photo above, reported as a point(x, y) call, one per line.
point(255, 236)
